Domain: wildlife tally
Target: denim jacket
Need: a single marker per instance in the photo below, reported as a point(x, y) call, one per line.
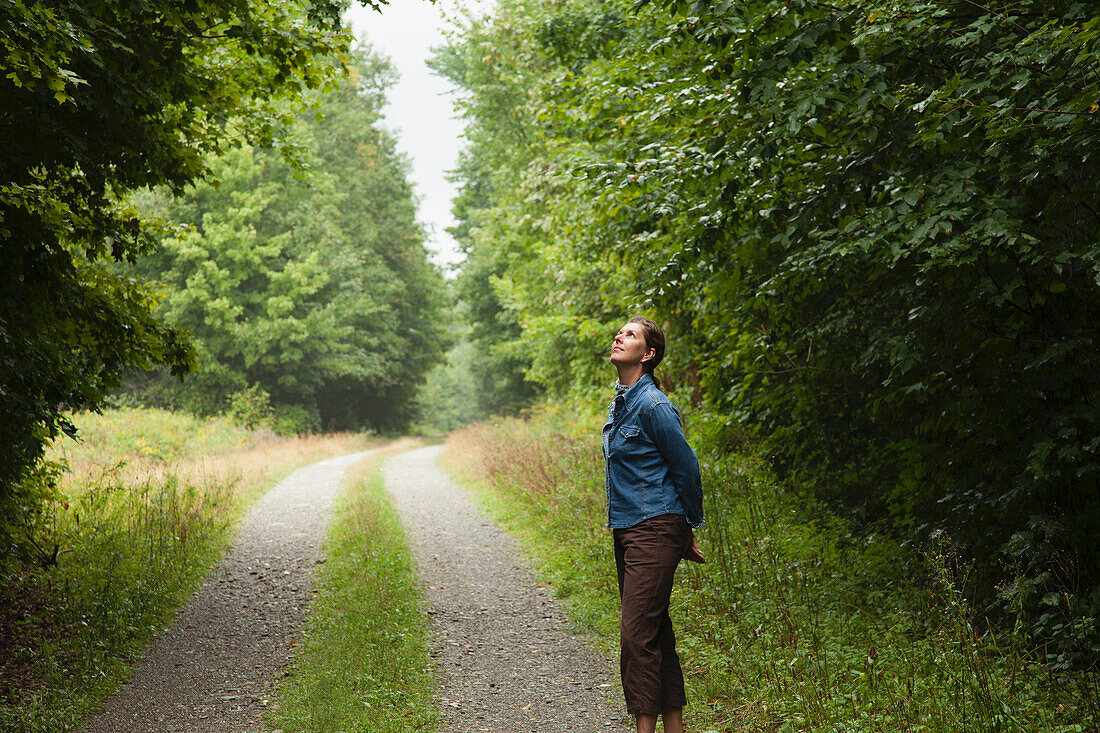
point(651, 470)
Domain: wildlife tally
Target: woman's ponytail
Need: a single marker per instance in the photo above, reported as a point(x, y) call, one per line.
point(654, 339)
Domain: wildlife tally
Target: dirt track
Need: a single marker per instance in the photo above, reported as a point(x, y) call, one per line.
point(213, 671)
point(506, 659)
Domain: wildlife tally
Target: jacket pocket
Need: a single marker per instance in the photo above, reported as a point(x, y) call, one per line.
point(626, 440)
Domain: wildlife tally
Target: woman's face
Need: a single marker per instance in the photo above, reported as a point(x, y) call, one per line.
point(629, 346)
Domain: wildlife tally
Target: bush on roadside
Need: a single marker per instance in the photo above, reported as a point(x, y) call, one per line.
point(26, 513)
point(797, 622)
point(251, 407)
point(296, 420)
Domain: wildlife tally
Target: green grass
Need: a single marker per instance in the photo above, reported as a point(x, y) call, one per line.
point(130, 556)
point(363, 664)
point(148, 504)
point(131, 434)
point(794, 624)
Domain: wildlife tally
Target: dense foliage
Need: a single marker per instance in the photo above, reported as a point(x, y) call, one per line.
point(870, 228)
point(313, 290)
point(790, 626)
point(97, 99)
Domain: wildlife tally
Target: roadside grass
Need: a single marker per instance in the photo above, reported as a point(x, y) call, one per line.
point(363, 664)
point(147, 504)
point(795, 623)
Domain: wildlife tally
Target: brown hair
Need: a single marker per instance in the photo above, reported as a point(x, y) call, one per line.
point(654, 339)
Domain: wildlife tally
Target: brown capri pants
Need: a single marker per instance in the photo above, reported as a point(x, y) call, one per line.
point(646, 556)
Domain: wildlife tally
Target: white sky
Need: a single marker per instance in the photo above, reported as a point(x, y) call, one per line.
point(419, 110)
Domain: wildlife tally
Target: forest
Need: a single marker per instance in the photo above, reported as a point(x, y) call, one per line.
point(870, 230)
point(200, 190)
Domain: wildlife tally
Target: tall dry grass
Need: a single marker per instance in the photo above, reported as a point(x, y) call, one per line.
point(133, 447)
point(147, 502)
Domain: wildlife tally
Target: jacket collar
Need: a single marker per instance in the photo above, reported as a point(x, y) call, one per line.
point(636, 390)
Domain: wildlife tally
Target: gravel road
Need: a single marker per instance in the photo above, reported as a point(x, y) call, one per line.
point(214, 669)
point(507, 661)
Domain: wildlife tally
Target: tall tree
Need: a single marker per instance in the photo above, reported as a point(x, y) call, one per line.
point(491, 68)
point(872, 225)
point(317, 288)
point(98, 99)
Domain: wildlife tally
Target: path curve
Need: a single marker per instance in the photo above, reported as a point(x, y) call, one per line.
point(213, 670)
point(505, 657)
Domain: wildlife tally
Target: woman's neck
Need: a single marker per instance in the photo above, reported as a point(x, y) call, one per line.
point(629, 374)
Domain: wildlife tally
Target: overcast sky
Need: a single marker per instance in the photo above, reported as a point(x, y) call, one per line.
point(420, 111)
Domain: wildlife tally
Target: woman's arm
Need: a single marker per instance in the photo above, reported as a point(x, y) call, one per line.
point(662, 423)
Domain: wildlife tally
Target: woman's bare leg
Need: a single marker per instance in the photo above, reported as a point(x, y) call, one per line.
point(674, 722)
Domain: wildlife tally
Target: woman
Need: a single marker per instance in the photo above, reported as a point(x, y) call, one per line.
point(654, 499)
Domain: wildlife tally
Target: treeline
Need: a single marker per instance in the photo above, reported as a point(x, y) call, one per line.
point(871, 230)
point(306, 284)
point(198, 190)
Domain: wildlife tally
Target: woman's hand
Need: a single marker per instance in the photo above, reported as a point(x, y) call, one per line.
point(693, 553)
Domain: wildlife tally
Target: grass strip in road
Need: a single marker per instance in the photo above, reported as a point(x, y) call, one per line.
point(363, 664)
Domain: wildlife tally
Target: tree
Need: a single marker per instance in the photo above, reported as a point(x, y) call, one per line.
point(493, 72)
point(97, 100)
point(872, 226)
point(315, 288)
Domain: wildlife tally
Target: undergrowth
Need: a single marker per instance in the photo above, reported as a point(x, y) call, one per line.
point(363, 664)
point(147, 502)
point(796, 623)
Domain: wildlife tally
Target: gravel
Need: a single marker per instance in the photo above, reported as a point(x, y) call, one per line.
point(214, 669)
point(506, 659)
